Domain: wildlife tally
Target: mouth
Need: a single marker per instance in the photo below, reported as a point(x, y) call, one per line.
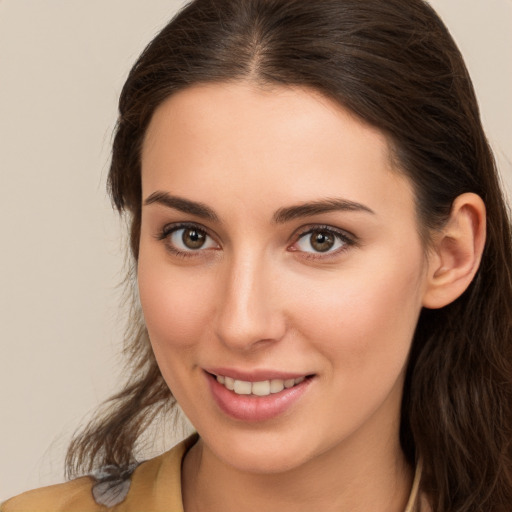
point(259, 388)
point(256, 396)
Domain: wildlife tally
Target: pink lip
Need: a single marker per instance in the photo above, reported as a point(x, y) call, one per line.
point(255, 408)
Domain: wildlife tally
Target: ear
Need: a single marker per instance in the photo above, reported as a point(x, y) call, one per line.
point(456, 252)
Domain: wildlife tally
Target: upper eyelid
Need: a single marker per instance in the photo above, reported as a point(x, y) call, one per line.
point(175, 226)
point(319, 227)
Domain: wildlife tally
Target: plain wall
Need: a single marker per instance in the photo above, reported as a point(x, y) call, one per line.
point(62, 65)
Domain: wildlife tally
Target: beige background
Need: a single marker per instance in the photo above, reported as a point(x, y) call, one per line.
point(62, 64)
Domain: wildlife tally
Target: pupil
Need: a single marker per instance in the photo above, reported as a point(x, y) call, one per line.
point(193, 238)
point(322, 241)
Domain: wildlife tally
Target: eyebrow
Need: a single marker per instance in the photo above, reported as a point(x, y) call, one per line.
point(281, 216)
point(183, 205)
point(316, 207)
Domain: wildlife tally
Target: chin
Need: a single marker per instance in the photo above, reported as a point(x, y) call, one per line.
point(264, 452)
point(263, 462)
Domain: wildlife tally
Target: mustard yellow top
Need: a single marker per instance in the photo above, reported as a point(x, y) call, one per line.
point(152, 486)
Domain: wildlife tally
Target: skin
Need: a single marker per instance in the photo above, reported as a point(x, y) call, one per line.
point(257, 295)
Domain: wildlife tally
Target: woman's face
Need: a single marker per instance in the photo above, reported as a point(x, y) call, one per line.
point(279, 247)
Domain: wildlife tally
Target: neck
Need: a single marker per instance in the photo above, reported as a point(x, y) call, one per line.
point(351, 477)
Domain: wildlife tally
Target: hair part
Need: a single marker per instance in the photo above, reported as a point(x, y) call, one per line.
point(395, 66)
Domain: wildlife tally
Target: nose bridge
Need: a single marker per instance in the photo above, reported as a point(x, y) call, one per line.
point(248, 312)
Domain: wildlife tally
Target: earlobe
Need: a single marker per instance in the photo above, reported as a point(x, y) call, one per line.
point(456, 252)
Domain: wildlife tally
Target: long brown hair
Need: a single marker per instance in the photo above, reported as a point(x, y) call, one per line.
point(394, 64)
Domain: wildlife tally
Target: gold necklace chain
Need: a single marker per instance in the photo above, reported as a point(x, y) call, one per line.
point(413, 497)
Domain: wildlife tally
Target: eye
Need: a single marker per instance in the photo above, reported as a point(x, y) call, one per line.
point(187, 239)
point(322, 240)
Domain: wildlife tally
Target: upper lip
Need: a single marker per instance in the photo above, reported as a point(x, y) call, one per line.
point(256, 375)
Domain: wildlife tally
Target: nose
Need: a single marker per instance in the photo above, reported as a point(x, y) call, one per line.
point(249, 314)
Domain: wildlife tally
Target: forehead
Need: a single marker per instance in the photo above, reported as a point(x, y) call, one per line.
point(263, 146)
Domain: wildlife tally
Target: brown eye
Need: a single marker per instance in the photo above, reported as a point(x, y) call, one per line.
point(187, 239)
point(321, 241)
point(193, 238)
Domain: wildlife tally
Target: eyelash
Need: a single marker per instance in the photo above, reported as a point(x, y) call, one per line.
point(169, 229)
point(347, 240)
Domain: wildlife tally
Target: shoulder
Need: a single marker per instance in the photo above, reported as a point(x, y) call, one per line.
point(152, 485)
point(70, 496)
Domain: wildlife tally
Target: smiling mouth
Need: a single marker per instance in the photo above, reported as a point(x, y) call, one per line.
point(261, 388)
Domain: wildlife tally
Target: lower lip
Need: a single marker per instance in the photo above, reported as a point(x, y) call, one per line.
point(253, 408)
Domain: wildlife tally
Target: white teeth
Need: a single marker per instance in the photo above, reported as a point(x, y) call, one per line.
point(289, 383)
point(276, 385)
point(242, 387)
point(229, 383)
point(262, 388)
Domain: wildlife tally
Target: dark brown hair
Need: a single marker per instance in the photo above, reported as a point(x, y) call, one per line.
point(394, 64)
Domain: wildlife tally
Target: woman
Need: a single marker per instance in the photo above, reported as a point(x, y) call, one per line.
point(323, 258)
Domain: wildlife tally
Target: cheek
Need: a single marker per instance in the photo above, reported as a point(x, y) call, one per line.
point(363, 322)
point(175, 311)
